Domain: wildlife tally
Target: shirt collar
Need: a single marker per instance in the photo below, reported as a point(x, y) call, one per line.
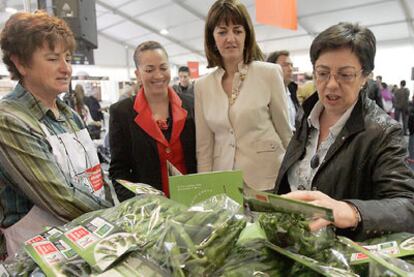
point(36, 107)
point(313, 118)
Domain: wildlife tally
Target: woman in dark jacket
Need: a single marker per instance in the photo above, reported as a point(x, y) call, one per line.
point(152, 128)
point(347, 153)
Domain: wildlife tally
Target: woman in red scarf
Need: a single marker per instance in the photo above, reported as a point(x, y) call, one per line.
point(151, 128)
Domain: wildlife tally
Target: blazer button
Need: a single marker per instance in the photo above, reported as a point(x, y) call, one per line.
point(168, 150)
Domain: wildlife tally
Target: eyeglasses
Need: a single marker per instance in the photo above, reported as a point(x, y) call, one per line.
point(343, 77)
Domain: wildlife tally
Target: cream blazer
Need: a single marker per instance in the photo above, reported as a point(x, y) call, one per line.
point(250, 135)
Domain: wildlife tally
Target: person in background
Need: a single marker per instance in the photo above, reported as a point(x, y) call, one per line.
point(387, 99)
point(411, 132)
point(401, 102)
point(347, 154)
point(378, 81)
point(130, 91)
point(152, 128)
point(372, 89)
point(241, 110)
point(49, 168)
point(282, 58)
point(94, 127)
point(185, 87)
point(93, 105)
point(307, 89)
point(394, 89)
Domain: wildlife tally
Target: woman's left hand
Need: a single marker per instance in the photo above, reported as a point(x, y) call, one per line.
point(344, 214)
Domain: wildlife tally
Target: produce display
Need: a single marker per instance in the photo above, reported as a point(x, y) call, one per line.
point(196, 242)
point(103, 239)
point(151, 235)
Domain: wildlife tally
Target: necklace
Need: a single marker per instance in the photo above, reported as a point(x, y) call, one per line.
point(238, 80)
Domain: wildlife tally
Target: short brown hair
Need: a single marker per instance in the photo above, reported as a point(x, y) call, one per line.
point(25, 32)
point(229, 11)
point(358, 39)
point(147, 45)
point(272, 58)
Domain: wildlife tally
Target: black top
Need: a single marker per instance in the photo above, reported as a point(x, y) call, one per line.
point(134, 154)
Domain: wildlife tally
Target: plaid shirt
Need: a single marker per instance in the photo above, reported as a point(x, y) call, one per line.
point(29, 173)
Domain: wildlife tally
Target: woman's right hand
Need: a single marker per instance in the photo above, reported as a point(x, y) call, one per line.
point(344, 214)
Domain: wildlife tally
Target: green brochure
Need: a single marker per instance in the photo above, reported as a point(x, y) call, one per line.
point(262, 201)
point(194, 188)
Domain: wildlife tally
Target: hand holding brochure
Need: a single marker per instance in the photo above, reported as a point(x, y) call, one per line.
point(262, 201)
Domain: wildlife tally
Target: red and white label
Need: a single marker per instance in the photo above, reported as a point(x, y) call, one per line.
point(45, 248)
point(95, 177)
point(34, 239)
point(81, 236)
point(77, 233)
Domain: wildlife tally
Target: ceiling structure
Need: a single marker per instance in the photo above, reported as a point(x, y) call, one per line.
point(130, 22)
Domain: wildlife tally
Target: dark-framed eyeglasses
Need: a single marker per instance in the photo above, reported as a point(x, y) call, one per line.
point(343, 77)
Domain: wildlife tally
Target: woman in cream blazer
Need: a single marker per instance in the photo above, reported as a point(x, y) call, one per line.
point(252, 134)
point(243, 125)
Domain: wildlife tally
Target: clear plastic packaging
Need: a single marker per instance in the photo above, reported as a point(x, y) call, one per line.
point(394, 267)
point(197, 242)
point(103, 237)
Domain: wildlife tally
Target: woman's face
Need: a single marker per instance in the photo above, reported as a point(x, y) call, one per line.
point(49, 71)
point(339, 79)
point(153, 71)
point(230, 41)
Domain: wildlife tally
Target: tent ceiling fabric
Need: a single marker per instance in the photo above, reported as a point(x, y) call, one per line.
point(133, 21)
point(130, 22)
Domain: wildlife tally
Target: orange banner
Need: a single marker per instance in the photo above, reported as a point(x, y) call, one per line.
point(280, 13)
point(193, 67)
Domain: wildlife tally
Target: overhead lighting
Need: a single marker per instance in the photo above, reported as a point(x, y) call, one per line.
point(164, 32)
point(10, 10)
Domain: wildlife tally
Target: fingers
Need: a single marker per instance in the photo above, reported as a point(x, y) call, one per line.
point(305, 195)
point(318, 224)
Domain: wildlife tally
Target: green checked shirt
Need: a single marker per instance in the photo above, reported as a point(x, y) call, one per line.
point(29, 173)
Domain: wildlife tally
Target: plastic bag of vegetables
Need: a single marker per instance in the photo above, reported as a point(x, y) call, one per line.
point(56, 258)
point(286, 225)
point(394, 267)
point(23, 264)
point(134, 265)
point(103, 237)
point(252, 256)
point(399, 245)
point(196, 242)
point(380, 264)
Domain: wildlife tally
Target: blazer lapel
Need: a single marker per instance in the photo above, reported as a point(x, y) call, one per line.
point(144, 118)
point(179, 115)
